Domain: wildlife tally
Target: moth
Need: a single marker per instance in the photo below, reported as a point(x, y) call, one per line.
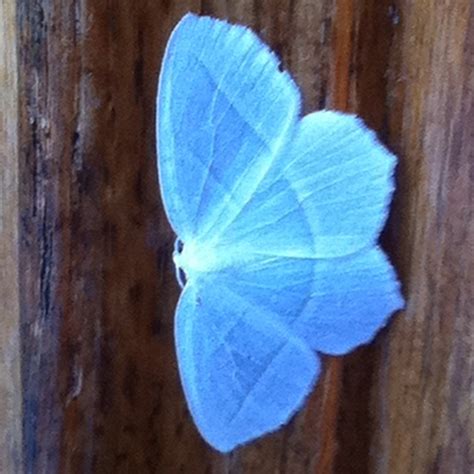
point(277, 217)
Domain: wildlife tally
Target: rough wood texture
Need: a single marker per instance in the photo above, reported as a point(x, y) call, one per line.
point(10, 356)
point(100, 385)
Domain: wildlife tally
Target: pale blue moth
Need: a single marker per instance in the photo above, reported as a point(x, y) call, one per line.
point(277, 218)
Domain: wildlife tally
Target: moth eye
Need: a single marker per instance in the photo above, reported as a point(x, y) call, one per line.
point(181, 277)
point(180, 273)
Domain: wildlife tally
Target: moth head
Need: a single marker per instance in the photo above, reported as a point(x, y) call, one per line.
point(190, 258)
point(177, 259)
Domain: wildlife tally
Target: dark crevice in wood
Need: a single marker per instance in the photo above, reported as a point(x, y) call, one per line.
point(257, 15)
point(206, 7)
point(39, 312)
point(327, 25)
point(370, 53)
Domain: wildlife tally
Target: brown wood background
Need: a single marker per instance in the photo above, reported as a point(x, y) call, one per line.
point(87, 286)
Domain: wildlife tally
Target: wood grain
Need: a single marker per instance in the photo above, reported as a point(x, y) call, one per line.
point(424, 408)
point(10, 354)
point(96, 290)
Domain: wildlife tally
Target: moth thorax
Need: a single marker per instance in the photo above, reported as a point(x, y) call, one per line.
point(194, 258)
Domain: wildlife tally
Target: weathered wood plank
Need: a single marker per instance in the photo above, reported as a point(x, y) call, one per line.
point(100, 385)
point(423, 400)
point(100, 382)
point(411, 409)
point(10, 353)
point(99, 291)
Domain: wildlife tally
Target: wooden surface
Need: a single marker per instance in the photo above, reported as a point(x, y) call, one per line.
point(86, 250)
point(10, 354)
